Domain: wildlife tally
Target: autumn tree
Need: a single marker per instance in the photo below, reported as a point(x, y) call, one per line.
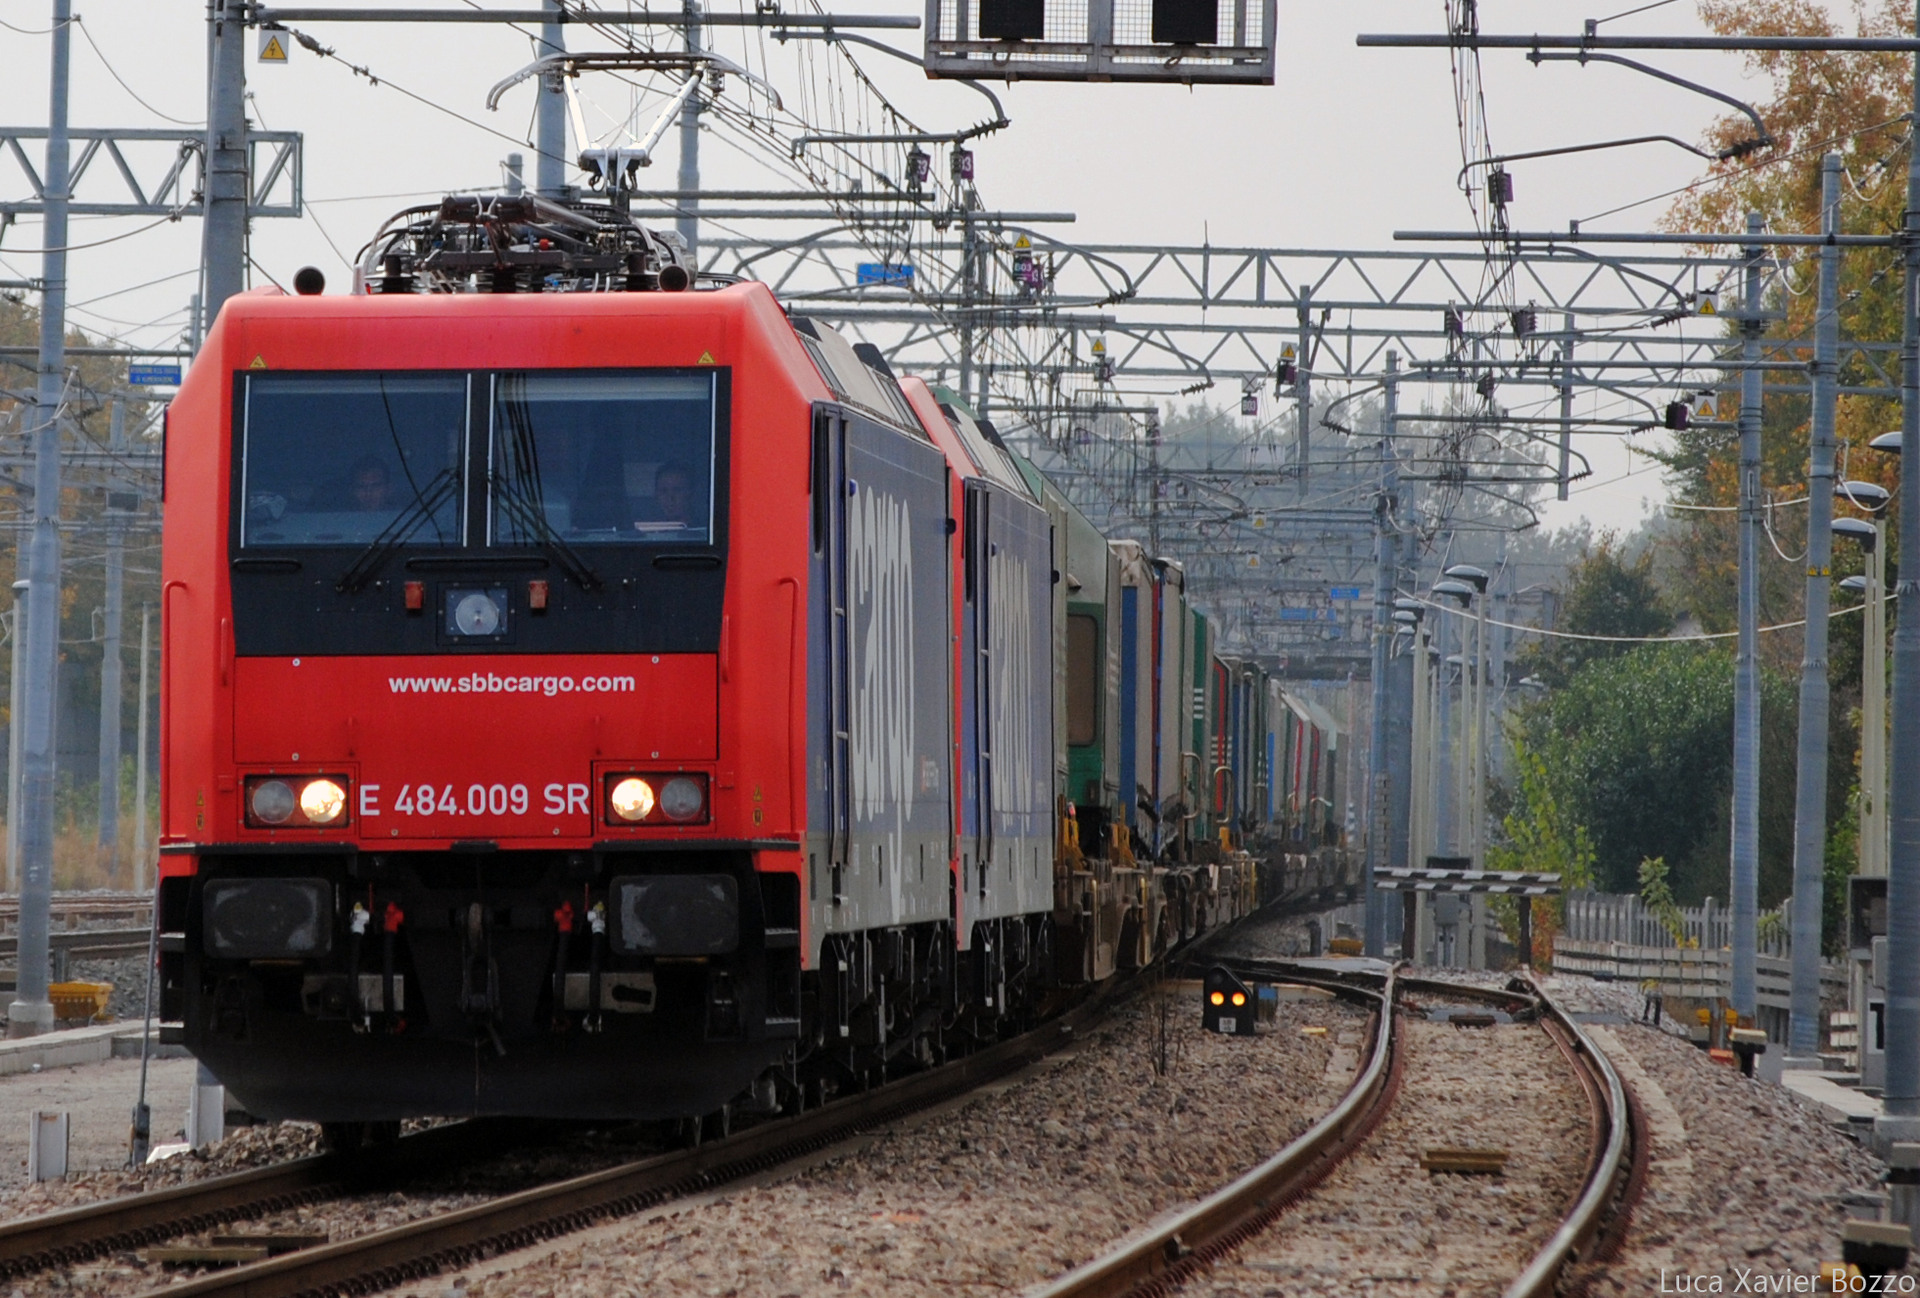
point(1855, 105)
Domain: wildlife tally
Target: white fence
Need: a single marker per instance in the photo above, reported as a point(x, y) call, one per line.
point(1614, 936)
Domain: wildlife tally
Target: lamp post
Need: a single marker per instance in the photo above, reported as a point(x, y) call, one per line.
point(1872, 499)
point(1461, 583)
point(1476, 833)
point(1868, 1008)
point(1409, 639)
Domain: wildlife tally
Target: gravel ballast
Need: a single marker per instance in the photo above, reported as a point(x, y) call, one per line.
point(997, 1194)
point(1382, 1224)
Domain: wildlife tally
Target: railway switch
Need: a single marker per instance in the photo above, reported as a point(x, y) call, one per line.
point(1227, 1005)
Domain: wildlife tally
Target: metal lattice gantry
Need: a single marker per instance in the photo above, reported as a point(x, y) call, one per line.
point(1075, 349)
point(148, 172)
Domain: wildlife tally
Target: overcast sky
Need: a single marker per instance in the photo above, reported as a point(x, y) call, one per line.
point(1347, 147)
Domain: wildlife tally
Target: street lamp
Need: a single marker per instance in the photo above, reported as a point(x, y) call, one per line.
point(1872, 498)
point(1474, 692)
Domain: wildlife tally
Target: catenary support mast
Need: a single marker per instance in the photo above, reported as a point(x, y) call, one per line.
point(1901, 1097)
point(1810, 803)
point(1745, 891)
point(1385, 548)
point(31, 1011)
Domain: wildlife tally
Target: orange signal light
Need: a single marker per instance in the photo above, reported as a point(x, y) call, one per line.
point(1239, 998)
point(1219, 998)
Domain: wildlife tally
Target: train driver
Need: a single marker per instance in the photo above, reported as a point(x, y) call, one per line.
point(677, 514)
point(372, 486)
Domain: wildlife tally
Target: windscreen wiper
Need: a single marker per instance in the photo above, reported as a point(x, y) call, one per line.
point(534, 521)
point(425, 504)
point(516, 483)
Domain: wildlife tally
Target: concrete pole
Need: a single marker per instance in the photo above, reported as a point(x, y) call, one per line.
point(31, 1012)
point(1566, 406)
point(550, 115)
point(1497, 665)
point(1901, 1097)
point(1303, 386)
point(140, 854)
point(110, 668)
point(1445, 784)
point(1481, 702)
point(1400, 761)
point(1477, 776)
point(1873, 740)
point(224, 230)
point(1745, 890)
point(16, 723)
point(688, 222)
point(1422, 744)
point(1419, 731)
point(1385, 545)
point(1810, 803)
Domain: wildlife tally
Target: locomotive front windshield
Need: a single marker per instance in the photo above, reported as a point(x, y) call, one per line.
point(341, 459)
point(602, 458)
point(386, 459)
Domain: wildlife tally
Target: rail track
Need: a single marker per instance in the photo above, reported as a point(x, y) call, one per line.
point(423, 1247)
point(1161, 1258)
point(86, 943)
point(79, 1234)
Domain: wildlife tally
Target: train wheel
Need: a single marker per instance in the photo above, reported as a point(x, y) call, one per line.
point(688, 1132)
point(356, 1138)
point(343, 1137)
point(719, 1123)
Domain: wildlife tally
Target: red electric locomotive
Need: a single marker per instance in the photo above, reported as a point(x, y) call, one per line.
point(557, 713)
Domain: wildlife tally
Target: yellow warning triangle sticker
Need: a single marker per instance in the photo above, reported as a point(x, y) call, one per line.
point(1707, 307)
point(1023, 242)
point(259, 363)
point(706, 358)
point(1286, 353)
point(273, 51)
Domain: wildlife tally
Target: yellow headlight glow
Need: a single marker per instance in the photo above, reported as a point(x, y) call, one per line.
point(322, 802)
point(631, 799)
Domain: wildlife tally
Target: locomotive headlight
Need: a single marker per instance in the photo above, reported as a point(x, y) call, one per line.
point(272, 802)
point(631, 799)
point(322, 802)
point(296, 801)
point(682, 798)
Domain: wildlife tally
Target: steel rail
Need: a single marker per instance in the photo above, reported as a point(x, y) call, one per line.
point(94, 942)
point(1158, 1259)
point(428, 1246)
point(1225, 1217)
point(93, 1230)
point(1610, 1173)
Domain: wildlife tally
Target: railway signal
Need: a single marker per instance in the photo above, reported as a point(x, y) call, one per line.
point(1227, 1005)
